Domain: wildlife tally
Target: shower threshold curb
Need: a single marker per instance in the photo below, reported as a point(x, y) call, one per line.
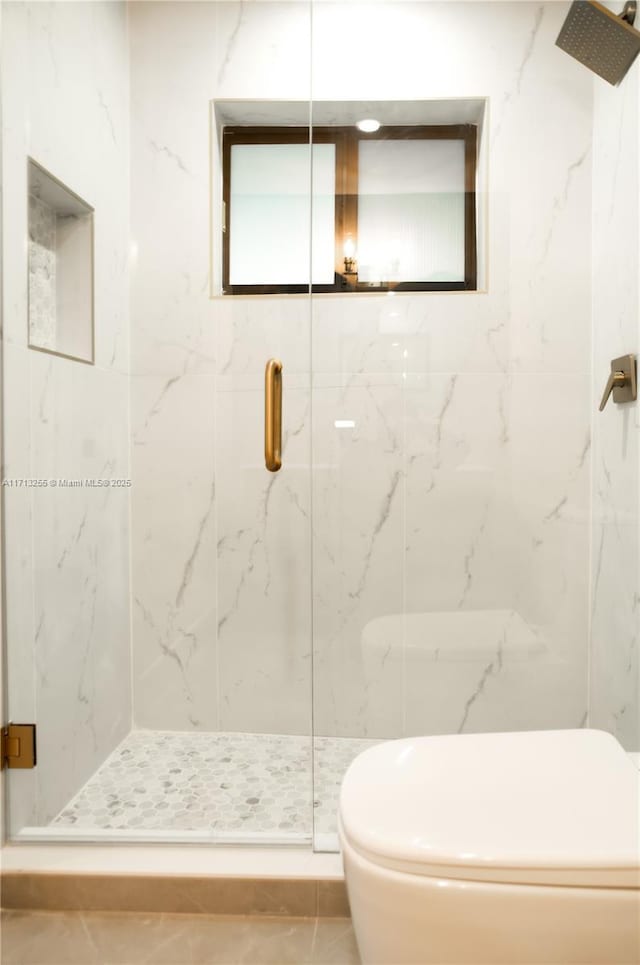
point(174, 880)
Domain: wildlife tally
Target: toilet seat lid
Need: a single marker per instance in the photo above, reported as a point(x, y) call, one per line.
point(545, 807)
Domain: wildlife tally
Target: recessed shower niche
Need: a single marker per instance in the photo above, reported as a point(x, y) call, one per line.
point(60, 268)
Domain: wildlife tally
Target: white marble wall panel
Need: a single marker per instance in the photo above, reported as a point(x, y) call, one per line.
point(19, 569)
point(440, 499)
point(81, 556)
point(173, 330)
point(65, 103)
point(173, 552)
point(249, 331)
point(549, 482)
point(378, 335)
point(615, 604)
point(263, 519)
point(174, 573)
point(245, 661)
point(264, 573)
point(457, 461)
point(494, 422)
point(358, 552)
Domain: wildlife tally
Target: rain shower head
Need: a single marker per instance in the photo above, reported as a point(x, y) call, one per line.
point(605, 43)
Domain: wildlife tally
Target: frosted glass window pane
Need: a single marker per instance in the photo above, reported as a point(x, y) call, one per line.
point(411, 211)
point(270, 237)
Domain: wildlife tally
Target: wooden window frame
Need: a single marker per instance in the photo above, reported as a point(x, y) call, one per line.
point(346, 140)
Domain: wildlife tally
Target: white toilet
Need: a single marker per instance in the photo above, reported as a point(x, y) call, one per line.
point(494, 848)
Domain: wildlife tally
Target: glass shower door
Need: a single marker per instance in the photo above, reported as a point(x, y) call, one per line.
point(157, 574)
point(450, 462)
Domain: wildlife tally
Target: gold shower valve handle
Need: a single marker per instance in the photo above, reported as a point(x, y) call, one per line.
point(273, 415)
point(616, 378)
point(622, 381)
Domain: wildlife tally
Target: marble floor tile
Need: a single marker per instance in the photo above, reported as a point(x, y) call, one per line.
point(228, 783)
point(51, 938)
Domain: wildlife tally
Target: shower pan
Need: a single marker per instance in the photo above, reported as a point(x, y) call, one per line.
point(327, 481)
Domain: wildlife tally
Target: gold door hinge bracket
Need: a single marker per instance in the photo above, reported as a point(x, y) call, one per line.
point(18, 745)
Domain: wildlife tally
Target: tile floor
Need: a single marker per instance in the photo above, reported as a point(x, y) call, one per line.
point(236, 784)
point(102, 938)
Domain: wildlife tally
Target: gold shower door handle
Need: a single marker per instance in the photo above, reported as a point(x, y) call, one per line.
point(273, 415)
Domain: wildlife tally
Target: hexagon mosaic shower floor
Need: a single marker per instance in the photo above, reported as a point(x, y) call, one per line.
point(235, 784)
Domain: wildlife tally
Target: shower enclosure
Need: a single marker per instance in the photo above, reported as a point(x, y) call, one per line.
point(451, 543)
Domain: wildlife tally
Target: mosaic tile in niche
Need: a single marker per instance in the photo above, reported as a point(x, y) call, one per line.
point(42, 274)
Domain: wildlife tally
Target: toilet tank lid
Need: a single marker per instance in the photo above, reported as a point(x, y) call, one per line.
point(555, 807)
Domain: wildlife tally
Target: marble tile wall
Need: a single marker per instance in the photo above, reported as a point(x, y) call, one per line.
point(65, 103)
point(464, 485)
point(172, 362)
point(445, 585)
point(220, 550)
point(615, 600)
